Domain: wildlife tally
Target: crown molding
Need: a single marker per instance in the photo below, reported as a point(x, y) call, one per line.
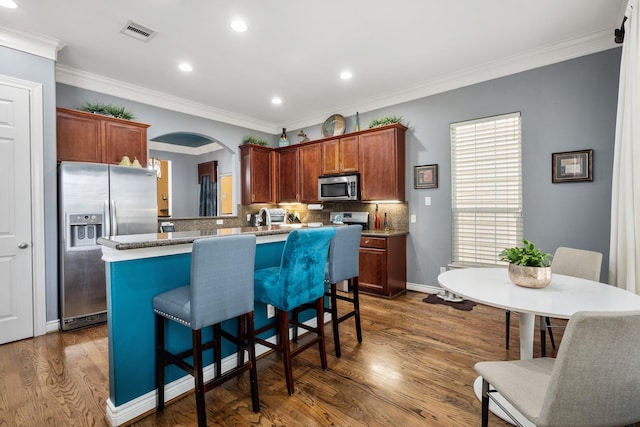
point(48, 47)
point(525, 61)
point(98, 83)
point(34, 44)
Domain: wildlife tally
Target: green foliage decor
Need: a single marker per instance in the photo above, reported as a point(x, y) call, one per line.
point(107, 110)
point(528, 256)
point(383, 121)
point(250, 139)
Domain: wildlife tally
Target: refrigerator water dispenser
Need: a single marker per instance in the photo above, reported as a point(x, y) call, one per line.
point(83, 230)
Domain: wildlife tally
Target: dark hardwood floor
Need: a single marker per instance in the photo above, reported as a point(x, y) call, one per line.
point(414, 367)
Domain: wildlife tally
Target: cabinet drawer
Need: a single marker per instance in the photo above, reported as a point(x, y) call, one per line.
point(373, 242)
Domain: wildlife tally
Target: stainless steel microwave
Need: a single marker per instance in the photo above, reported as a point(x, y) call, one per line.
point(333, 188)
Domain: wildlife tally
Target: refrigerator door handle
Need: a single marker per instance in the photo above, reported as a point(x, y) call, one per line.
point(106, 231)
point(114, 223)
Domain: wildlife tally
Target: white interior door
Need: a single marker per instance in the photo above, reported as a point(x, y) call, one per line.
point(16, 282)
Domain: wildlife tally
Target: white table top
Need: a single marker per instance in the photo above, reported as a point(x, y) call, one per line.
point(564, 296)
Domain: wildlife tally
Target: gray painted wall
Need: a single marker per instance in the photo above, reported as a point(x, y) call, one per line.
point(34, 68)
point(565, 107)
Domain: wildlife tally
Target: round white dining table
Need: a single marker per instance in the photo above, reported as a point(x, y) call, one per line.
point(563, 297)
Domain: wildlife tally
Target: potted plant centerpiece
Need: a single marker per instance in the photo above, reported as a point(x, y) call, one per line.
point(528, 265)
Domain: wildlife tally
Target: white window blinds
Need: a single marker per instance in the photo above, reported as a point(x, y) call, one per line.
point(486, 187)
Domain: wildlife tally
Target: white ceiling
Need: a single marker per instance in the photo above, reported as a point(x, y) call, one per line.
point(397, 50)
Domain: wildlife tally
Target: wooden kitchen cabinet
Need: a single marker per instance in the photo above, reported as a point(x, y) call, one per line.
point(87, 137)
point(383, 265)
point(256, 174)
point(382, 164)
point(310, 168)
point(340, 155)
point(287, 167)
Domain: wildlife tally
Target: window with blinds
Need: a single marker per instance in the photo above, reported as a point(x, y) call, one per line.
point(486, 187)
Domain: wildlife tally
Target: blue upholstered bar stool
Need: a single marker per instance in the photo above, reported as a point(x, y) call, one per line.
point(221, 288)
point(343, 264)
point(344, 260)
point(299, 279)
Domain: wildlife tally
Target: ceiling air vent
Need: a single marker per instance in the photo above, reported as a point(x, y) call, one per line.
point(138, 31)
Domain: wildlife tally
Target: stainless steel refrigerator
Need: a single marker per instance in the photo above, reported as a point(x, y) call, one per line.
point(96, 200)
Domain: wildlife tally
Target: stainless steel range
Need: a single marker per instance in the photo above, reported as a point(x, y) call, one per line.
point(361, 218)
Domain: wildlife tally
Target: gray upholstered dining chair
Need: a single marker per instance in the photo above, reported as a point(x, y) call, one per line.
point(221, 288)
point(594, 381)
point(569, 262)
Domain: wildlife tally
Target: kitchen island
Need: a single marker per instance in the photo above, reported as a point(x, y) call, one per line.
point(138, 267)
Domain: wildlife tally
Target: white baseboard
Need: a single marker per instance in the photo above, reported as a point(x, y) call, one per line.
point(53, 326)
point(118, 415)
point(426, 289)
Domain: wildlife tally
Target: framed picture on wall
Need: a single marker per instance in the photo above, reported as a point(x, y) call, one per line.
point(572, 166)
point(425, 176)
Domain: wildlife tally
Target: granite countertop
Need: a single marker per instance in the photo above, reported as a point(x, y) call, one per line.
point(151, 240)
point(383, 233)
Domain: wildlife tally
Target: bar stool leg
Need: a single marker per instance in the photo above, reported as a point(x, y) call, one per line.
point(196, 335)
point(334, 320)
point(283, 342)
point(356, 306)
point(253, 371)
point(320, 327)
point(217, 349)
point(294, 317)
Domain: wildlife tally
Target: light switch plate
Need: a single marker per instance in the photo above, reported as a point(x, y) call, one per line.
point(413, 219)
point(427, 201)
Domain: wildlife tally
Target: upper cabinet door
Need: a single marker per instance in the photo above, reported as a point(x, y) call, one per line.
point(381, 158)
point(256, 179)
point(310, 169)
point(288, 174)
point(78, 138)
point(349, 154)
point(125, 139)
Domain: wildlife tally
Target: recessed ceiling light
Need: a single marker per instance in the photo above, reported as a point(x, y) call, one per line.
point(346, 75)
point(239, 26)
point(186, 67)
point(9, 4)
point(276, 100)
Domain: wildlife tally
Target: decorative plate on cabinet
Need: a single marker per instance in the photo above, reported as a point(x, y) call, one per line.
point(334, 125)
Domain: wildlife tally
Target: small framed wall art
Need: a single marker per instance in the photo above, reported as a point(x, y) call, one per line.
point(572, 166)
point(425, 176)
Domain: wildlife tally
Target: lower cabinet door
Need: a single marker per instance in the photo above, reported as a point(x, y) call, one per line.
point(373, 271)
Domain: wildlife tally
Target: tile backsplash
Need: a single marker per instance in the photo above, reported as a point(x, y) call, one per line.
point(397, 215)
